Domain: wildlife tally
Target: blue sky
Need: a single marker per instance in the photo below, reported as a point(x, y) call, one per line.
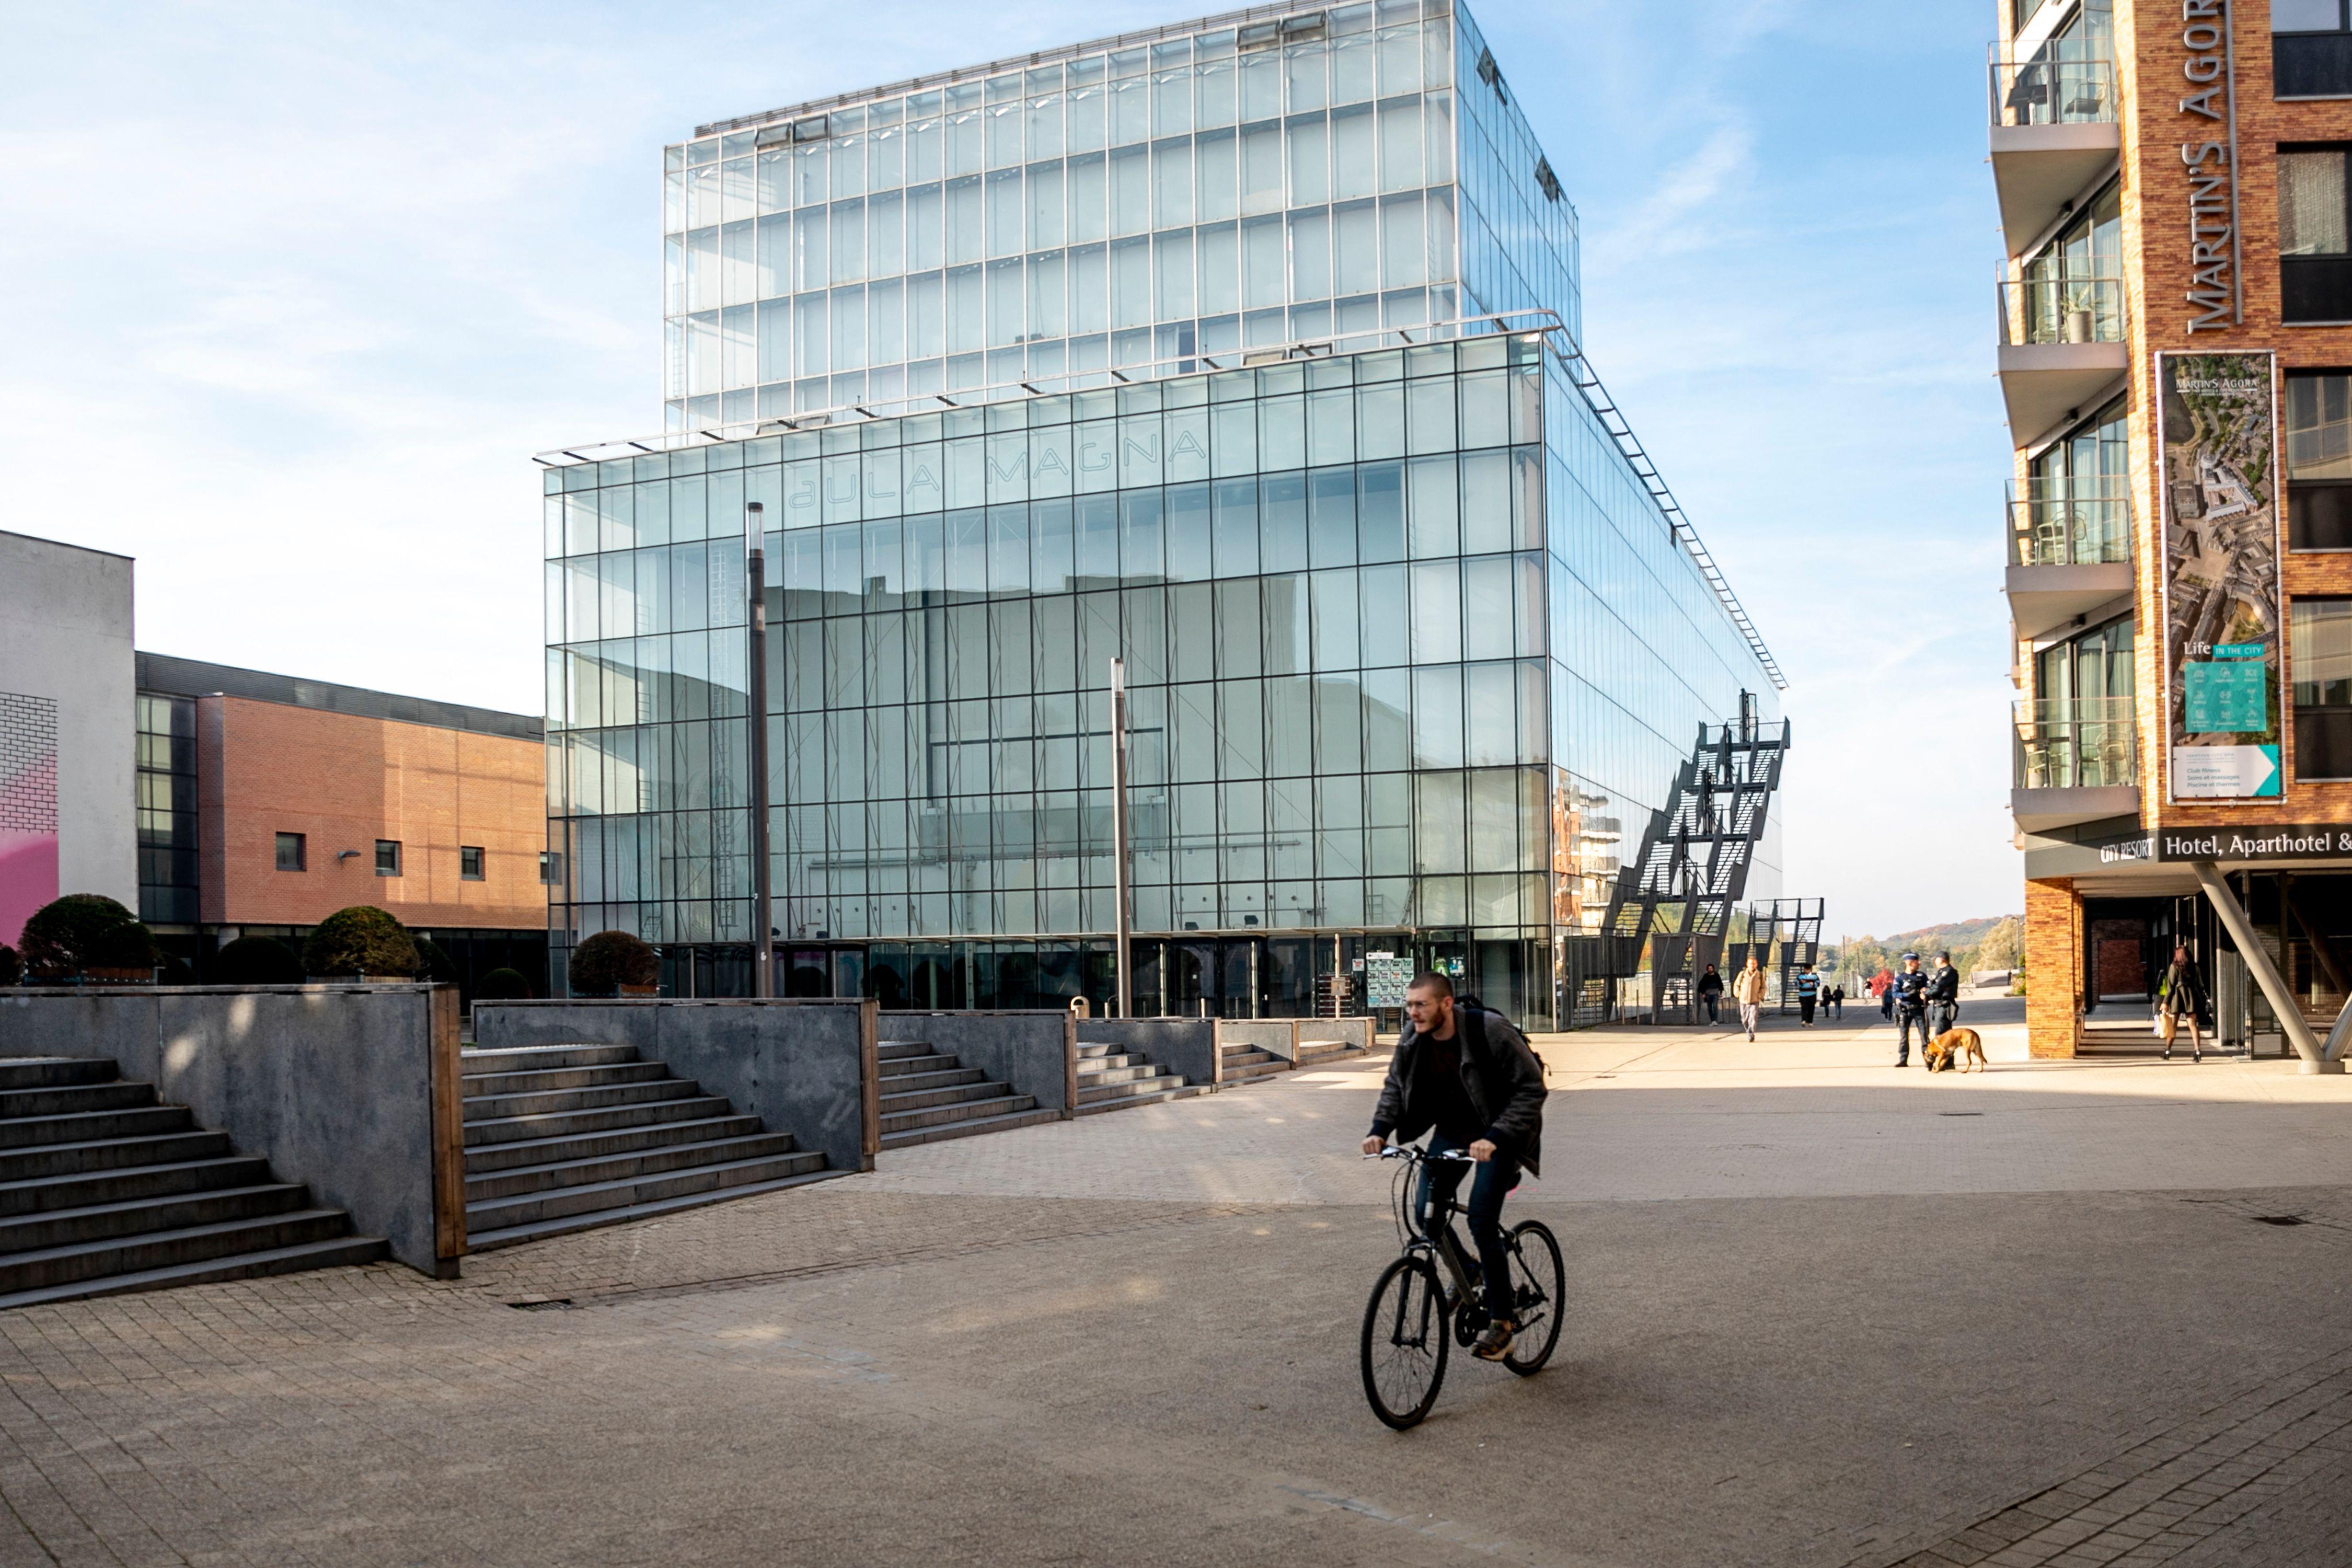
point(294, 291)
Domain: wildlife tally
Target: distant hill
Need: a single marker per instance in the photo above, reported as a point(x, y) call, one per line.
point(1995, 941)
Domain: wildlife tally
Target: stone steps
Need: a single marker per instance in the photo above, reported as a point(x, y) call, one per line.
point(1113, 1077)
point(566, 1138)
point(1311, 1052)
point(1246, 1064)
point(928, 1097)
point(103, 1191)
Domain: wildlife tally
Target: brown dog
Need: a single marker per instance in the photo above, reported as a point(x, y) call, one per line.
point(1945, 1050)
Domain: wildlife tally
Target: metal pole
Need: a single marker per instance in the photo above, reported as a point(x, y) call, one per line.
point(2315, 1058)
point(763, 942)
point(1123, 921)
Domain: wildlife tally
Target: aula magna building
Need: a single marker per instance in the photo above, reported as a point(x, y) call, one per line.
point(1245, 351)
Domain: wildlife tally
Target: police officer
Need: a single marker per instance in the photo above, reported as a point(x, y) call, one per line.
point(1943, 996)
point(1909, 990)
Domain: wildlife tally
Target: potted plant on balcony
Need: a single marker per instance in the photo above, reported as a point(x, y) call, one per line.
point(615, 963)
point(88, 938)
point(359, 942)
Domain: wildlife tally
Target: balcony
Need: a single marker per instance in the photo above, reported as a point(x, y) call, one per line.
point(2062, 345)
point(2054, 132)
point(2069, 551)
point(2077, 761)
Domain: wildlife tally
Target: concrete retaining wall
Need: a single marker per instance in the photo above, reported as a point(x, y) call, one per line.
point(802, 1065)
point(1273, 1035)
point(334, 1085)
point(1186, 1046)
point(1356, 1032)
point(1035, 1051)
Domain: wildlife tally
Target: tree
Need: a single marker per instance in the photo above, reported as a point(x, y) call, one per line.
point(2003, 946)
point(254, 961)
point(362, 940)
point(610, 960)
point(82, 931)
point(432, 964)
point(11, 967)
point(503, 986)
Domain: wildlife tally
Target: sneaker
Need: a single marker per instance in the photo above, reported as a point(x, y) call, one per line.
point(1496, 1342)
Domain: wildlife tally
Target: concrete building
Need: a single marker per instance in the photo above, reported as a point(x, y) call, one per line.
point(2178, 221)
point(66, 710)
point(1247, 350)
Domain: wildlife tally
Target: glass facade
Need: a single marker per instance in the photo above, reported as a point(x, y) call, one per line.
point(1412, 647)
point(167, 809)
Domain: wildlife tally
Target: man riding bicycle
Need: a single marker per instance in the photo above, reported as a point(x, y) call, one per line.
point(1467, 1078)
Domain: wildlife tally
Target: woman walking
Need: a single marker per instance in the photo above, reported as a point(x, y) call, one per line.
point(1748, 990)
point(2178, 997)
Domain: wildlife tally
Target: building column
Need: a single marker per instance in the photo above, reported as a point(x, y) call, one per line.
point(2315, 1058)
point(2053, 966)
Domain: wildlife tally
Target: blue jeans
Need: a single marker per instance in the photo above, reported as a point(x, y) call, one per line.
point(1492, 1184)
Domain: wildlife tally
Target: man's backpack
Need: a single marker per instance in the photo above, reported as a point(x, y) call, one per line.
point(1495, 1020)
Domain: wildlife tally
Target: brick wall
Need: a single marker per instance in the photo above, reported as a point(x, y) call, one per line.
point(345, 782)
point(2053, 966)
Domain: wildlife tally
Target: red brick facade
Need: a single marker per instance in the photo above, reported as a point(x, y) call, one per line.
point(345, 782)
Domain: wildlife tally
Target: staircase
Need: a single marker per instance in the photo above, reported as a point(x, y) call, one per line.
point(928, 1097)
point(1113, 1077)
point(568, 1137)
point(104, 1191)
point(1238, 1065)
point(2124, 1029)
point(1314, 1052)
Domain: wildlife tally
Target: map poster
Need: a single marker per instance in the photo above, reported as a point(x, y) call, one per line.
point(2220, 575)
point(1385, 978)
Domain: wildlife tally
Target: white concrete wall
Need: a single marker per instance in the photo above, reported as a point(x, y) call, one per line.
point(66, 635)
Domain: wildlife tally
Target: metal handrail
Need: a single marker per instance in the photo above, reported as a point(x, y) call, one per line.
point(2061, 311)
point(2047, 90)
point(2080, 742)
point(2082, 522)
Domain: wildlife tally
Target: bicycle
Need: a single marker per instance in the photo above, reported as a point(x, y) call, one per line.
point(1412, 1319)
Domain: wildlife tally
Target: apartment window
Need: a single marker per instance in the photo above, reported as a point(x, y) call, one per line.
point(551, 870)
point(2320, 648)
point(293, 852)
point(2072, 289)
point(2314, 235)
point(2311, 49)
point(2319, 460)
point(470, 862)
point(387, 856)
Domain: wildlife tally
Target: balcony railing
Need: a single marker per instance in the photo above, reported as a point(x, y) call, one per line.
point(2076, 743)
point(2062, 311)
point(2070, 522)
point(2045, 92)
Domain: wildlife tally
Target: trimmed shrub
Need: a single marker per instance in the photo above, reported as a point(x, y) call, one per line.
point(12, 968)
point(610, 960)
point(432, 964)
point(172, 969)
point(254, 961)
point(362, 940)
point(84, 931)
point(503, 986)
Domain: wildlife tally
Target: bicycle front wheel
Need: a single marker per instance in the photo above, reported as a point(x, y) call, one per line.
point(1406, 1342)
point(1539, 1287)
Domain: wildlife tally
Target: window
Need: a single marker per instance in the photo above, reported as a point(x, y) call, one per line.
point(470, 862)
point(2073, 288)
point(2311, 49)
point(2076, 509)
point(2315, 235)
point(2320, 649)
point(2319, 460)
point(292, 852)
point(548, 871)
point(387, 856)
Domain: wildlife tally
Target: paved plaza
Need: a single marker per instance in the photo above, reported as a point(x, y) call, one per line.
point(1821, 1312)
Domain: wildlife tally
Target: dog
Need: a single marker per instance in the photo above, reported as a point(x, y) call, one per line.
point(1945, 1050)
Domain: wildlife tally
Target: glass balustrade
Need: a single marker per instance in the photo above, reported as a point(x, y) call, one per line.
point(2080, 742)
point(2070, 521)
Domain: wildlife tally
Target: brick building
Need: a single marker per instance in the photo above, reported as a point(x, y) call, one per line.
point(268, 803)
point(2177, 362)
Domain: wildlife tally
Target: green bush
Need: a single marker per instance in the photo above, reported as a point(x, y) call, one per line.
point(503, 986)
point(362, 940)
point(254, 961)
point(84, 931)
point(610, 960)
point(12, 969)
point(432, 964)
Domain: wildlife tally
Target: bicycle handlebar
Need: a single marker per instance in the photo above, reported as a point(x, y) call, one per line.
point(1414, 1152)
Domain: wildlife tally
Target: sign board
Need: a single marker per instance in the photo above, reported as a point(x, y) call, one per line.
point(1385, 978)
point(2219, 473)
point(2256, 844)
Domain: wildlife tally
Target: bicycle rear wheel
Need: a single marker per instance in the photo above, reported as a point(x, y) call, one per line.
point(1540, 1286)
point(1406, 1335)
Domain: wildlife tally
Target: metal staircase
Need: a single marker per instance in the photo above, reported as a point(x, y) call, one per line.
point(1680, 890)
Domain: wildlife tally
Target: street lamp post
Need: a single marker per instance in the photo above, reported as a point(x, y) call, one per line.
point(763, 942)
point(1123, 923)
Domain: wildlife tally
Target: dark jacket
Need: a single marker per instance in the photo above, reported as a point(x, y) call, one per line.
point(1710, 983)
point(1944, 986)
point(1500, 1073)
point(2180, 991)
point(1910, 991)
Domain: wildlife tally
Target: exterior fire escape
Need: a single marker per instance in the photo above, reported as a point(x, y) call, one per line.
point(1680, 891)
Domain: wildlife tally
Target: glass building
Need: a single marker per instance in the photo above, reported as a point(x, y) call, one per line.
point(1245, 351)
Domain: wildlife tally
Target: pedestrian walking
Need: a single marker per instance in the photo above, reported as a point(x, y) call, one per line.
point(1909, 995)
point(1837, 1001)
point(2179, 995)
point(1710, 994)
point(1748, 992)
point(1809, 995)
point(1943, 996)
point(1884, 986)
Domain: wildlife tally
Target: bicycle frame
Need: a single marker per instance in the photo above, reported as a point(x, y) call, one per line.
point(1437, 1236)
